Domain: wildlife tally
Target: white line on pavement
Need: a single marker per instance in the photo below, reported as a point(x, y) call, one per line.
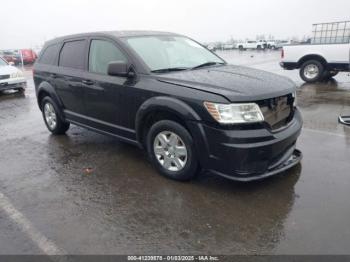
point(44, 244)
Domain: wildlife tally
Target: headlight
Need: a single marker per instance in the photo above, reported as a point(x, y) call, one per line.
point(235, 113)
point(16, 74)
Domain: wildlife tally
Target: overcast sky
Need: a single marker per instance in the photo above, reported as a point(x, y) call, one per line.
point(26, 23)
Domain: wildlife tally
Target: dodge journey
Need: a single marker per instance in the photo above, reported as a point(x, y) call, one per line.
point(174, 98)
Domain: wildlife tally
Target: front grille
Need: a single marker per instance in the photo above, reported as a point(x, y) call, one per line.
point(277, 111)
point(2, 77)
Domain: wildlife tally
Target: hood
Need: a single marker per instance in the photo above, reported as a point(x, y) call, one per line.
point(7, 70)
point(236, 83)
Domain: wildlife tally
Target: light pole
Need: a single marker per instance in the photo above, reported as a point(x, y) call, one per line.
point(20, 53)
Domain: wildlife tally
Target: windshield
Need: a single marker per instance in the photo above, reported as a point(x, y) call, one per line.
point(2, 62)
point(170, 52)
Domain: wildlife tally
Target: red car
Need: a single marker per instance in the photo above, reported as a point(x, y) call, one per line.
point(29, 56)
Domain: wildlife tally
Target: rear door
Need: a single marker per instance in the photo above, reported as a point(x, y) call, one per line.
point(68, 80)
point(46, 66)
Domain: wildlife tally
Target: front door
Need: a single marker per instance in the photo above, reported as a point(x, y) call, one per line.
point(103, 94)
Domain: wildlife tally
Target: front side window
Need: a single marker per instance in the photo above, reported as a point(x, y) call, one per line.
point(163, 52)
point(101, 54)
point(72, 54)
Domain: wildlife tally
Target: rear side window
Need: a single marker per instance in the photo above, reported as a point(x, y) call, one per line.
point(101, 54)
point(72, 54)
point(49, 55)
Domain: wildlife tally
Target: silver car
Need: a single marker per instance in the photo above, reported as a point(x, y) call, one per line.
point(11, 77)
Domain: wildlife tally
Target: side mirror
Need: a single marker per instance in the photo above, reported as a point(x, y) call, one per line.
point(119, 68)
point(11, 63)
point(345, 120)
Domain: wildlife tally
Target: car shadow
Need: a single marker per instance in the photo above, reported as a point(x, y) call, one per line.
point(11, 94)
point(330, 92)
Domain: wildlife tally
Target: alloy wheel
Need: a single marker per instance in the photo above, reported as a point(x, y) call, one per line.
point(50, 116)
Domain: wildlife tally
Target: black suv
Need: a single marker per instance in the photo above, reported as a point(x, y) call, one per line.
point(171, 96)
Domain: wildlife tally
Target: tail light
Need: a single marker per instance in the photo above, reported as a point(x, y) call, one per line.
point(282, 53)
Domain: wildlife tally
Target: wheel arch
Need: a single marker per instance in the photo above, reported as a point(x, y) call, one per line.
point(160, 108)
point(317, 57)
point(46, 89)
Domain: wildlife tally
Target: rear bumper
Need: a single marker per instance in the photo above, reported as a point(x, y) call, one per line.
point(289, 65)
point(247, 155)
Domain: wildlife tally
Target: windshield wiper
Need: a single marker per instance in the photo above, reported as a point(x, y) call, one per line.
point(207, 64)
point(171, 69)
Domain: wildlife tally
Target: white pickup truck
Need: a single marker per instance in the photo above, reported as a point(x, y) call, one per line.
point(271, 44)
point(326, 55)
point(261, 44)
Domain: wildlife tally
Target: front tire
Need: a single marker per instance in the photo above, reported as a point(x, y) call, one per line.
point(311, 71)
point(53, 121)
point(171, 150)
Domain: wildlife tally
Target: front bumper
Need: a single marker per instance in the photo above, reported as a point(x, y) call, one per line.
point(247, 155)
point(13, 83)
point(293, 160)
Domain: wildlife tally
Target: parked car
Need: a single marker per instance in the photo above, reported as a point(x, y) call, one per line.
point(228, 46)
point(281, 43)
point(271, 44)
point(327, 54)
point(250, 45)
point(168, 94)
point(11, 77)
point(29, 56)
point(262, 43)
point(211, 47)
point(10, 57)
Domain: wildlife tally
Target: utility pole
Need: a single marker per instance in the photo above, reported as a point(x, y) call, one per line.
point(20, 53)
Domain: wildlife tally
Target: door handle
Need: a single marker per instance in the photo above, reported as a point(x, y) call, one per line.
point(88, 82)
point(53, 75)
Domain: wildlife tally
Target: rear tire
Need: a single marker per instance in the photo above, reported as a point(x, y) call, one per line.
point(240, 47)
point(312, 71)
point(52, 119)
point(171, 150)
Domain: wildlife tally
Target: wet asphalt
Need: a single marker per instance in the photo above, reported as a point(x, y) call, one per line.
point(91, 194)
